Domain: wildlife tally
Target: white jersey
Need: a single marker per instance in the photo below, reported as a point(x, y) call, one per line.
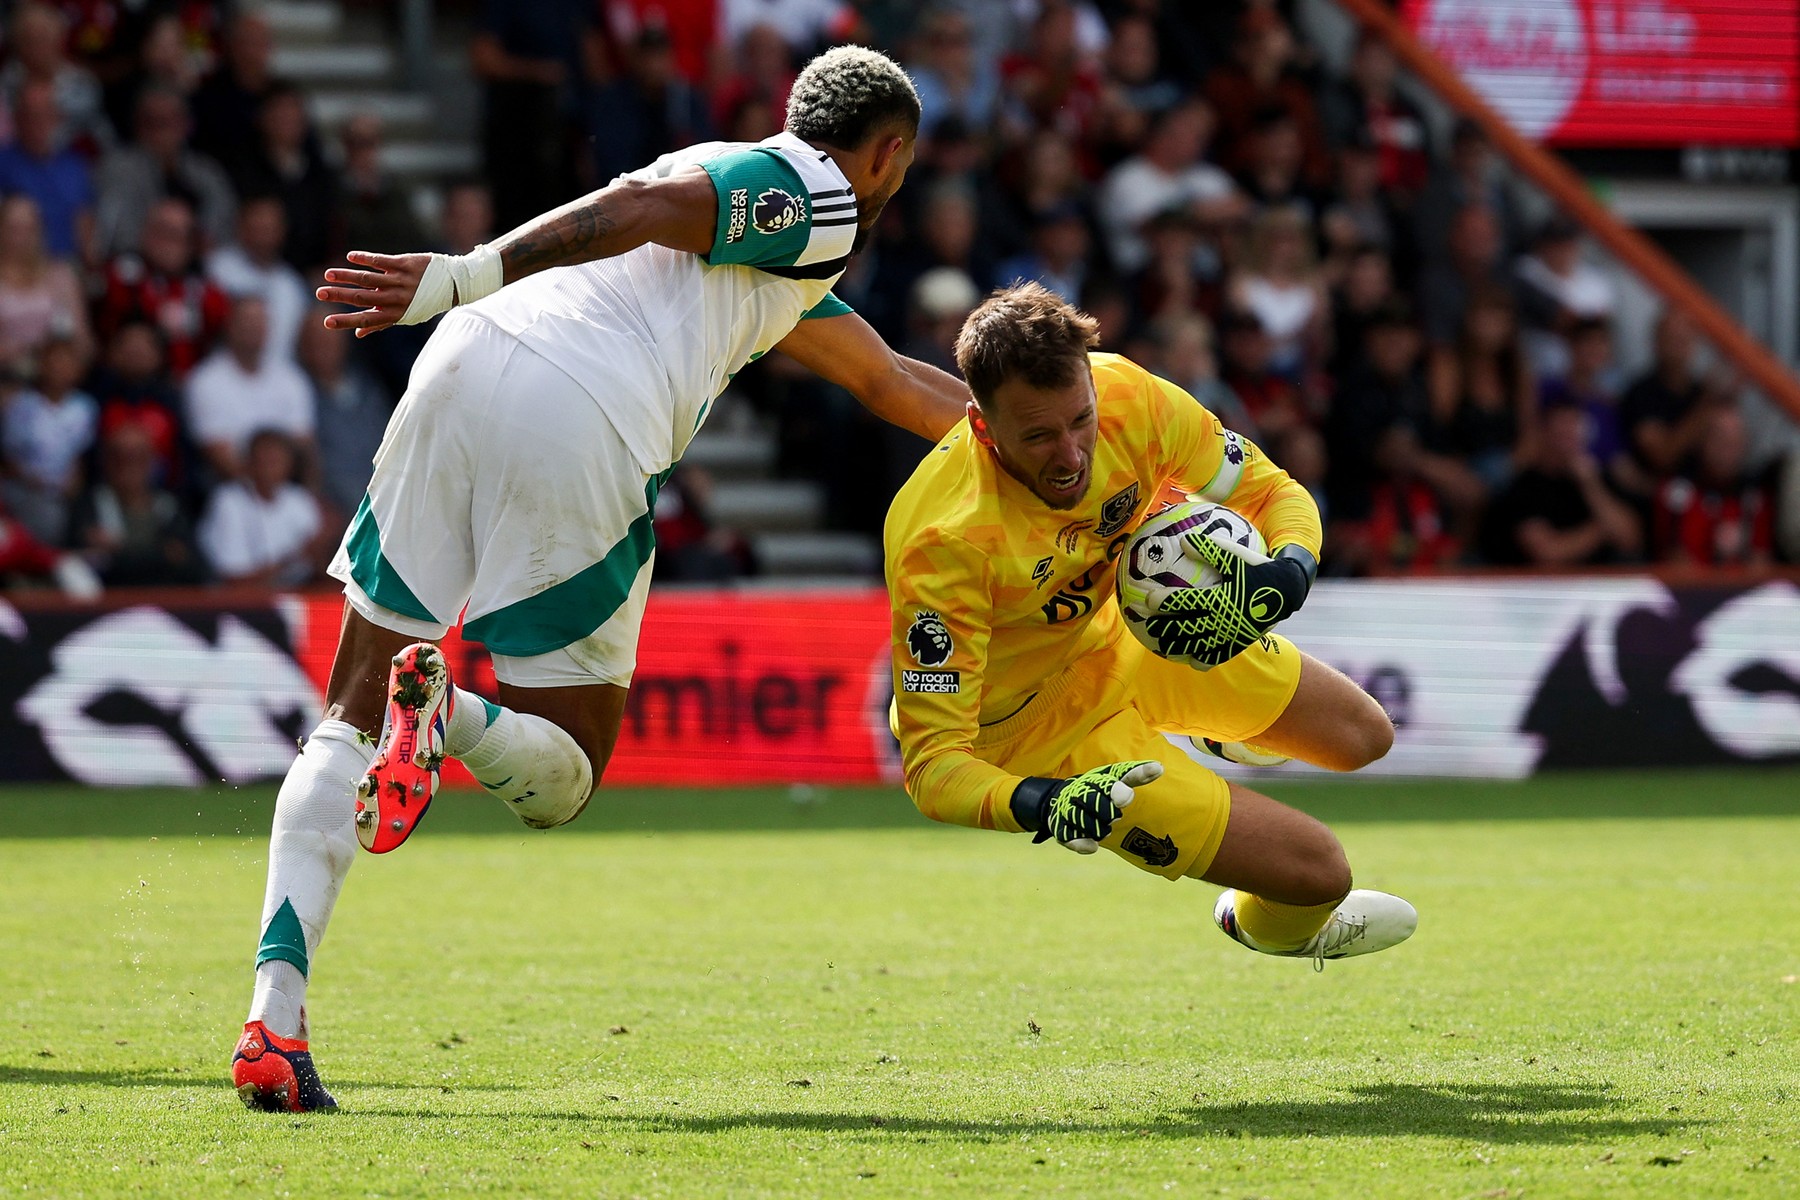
point(654, 335)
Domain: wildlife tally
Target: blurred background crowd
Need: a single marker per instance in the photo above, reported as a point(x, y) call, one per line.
point(1364, 291)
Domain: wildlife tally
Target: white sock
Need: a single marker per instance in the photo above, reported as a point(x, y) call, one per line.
point(531, 764)
point(311, 848)
point(471, 719)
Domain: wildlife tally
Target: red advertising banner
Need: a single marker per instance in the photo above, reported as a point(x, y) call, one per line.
point(731, 687)
point(1627, 72)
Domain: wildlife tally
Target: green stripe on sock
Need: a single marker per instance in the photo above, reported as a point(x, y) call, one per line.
point(283, 939)
point(574, 608)
point(493, 710)
point(372, 571)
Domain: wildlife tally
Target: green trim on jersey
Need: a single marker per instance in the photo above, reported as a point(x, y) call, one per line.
point(830, 306)
point(373, 573)
point(283, 940)
point(765, 211)
point(571, 610)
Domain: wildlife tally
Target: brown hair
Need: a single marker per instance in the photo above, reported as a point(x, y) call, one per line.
point(1024, 332)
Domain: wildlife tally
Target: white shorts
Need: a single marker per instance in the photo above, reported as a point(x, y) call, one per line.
point(502, 495)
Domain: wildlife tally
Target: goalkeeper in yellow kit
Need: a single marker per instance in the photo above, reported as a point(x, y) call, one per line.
point(1021, 702)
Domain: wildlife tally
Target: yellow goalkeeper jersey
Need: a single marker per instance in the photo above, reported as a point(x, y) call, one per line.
point(994, 593)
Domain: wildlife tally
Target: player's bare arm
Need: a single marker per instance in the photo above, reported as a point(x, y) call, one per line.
point(901, 391)
point(678, 212)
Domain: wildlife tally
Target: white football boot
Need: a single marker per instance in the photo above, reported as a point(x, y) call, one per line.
point(1365, 921)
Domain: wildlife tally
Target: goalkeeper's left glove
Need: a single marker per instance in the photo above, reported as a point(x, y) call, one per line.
point(1212, 625)
point(1080, 812)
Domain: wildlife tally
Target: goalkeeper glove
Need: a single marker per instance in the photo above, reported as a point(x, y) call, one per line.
point(1080, 812)
point(1211, 625)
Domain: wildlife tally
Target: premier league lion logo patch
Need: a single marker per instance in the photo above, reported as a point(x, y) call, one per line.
point(929, 639)
point(776, 210)
point(1115, 514)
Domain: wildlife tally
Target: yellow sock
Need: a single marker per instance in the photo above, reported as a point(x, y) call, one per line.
point(1277, 926)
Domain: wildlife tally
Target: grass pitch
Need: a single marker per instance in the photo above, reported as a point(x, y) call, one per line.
point(748, 993)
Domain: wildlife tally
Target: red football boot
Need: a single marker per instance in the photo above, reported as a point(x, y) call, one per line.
point(276, 1074)
point(403, 776)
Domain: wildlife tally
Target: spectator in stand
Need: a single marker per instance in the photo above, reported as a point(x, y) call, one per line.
point(1667, 410)
point(1721, 515)
point(1134, 89)
point(647, 112)
point(25, 559)
point(1283, 423)
point(693, 28)
point(134, 393)
point(158, 164)
point(690, 546)
point(162, 284)
point(1472, 175)
point(1058, 257)
point(286, 162)
point(803, 25)
point(39, 57)
point(57, 179)
point(131, 530)
point(164, 59)
point(1359, 213)
point(40, 296)
point(1588, 385)
point(1556, 289)
point(226, 105)
point(253, 266)
point(48, 431)
point(522, 55)
point(1363, 288)
point(240, 389)
point(468, 217)
point(1558, 512)
point(1483, 395)
point(1260, 78)
point(376, 214)
point(1272, 176)
point(1366, 108)
point(1473, 264)
point(264, 529)
point(1054, 83)
point(947, 237)
point(353, 410)
point(1185, 357)
point(952, 79)
point(1280, 284)
point(765, 71)
point(1384, 486)
point(1182, 274)
point(1169, 171)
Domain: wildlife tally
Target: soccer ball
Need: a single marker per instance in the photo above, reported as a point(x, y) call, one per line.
point(1157, 560)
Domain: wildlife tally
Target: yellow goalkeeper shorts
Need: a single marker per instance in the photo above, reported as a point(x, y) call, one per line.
point(1115, 705)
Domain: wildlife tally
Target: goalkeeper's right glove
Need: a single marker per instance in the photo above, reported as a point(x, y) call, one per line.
point(1080, 812)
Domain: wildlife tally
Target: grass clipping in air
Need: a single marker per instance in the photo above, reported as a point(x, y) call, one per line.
point(733, 993)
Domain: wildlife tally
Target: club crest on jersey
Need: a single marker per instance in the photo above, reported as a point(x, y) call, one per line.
point(777, 210)
point(1156, 851)
point(1116, 512)
point(929, 639)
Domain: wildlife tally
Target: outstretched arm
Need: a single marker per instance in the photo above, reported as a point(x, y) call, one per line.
point(901, 391)
point(679, 212)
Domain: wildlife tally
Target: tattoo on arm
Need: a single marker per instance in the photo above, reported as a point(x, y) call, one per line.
point(576, 234)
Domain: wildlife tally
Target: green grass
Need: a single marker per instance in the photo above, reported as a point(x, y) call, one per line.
point(741, 994)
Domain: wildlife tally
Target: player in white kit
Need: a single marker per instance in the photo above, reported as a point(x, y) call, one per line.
point(515, 484)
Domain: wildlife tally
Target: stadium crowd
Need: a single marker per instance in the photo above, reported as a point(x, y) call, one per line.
point(1292, 246)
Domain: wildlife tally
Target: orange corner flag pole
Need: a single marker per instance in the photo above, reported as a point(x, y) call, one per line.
point(1550, 173)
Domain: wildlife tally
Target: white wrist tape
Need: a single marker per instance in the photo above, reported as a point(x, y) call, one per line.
point(452, 279)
